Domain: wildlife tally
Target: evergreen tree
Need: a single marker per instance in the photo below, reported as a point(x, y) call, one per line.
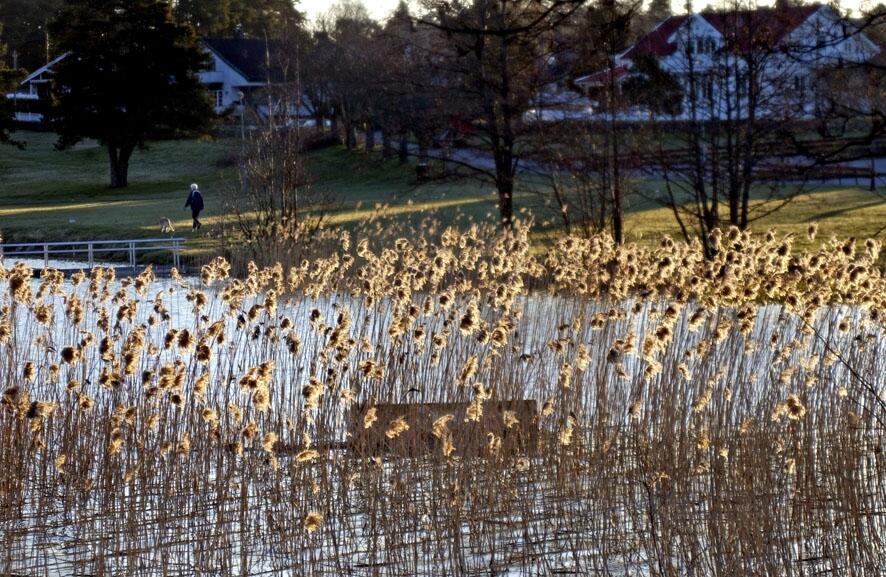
point(250, 18)
point(8, 81)
point(264, 18)
point(658, 10)
point(208, 18)
point(130, 77)
point(26, 34)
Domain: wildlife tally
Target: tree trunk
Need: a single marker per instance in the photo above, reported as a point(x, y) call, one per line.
point(387, 147)
point(505, 185)
point(617, 209)
point(404, 149)
point(504, 179)
point(503, 138)
point(423, 151)
point(446, 154)
point(370, 138)
point(119, 160)
point(350, 136)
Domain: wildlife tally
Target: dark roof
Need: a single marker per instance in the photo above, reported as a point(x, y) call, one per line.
point(249, 56)
point(741, 29)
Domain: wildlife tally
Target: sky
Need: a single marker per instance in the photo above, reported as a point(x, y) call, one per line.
point(381, 8)
point(377, 8)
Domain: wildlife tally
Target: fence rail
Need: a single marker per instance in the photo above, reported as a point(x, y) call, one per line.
point(87, 249)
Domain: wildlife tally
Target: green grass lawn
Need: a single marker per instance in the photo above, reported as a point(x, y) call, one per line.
point(51, 195)
point(839, 211)
point(47, 194)
point(358, 183)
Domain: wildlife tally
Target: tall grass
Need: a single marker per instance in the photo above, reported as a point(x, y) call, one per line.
point(696, 417)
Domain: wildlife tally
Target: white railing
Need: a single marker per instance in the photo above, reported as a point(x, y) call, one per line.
point(89, 248)
point(28, 117)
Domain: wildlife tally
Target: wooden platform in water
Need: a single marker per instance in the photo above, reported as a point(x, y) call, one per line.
point(513, 425)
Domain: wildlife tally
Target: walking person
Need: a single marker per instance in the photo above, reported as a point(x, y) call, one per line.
point(195, 201)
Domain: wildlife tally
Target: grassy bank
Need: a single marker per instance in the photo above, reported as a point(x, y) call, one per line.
point(47, 194)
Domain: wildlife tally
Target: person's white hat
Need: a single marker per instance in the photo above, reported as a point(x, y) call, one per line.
point(194, 186)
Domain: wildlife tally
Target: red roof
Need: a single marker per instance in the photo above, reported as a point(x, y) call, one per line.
point(743, 30)
point(656, 42)
point(740, 29)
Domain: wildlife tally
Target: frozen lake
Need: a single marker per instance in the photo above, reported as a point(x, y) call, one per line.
point(639, 453)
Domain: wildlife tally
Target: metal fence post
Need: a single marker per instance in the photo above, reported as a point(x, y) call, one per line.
point(89, 253)
point(45, 256)
point(175, 254)
point(132, 254)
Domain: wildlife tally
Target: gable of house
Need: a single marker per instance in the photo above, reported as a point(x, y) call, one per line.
point(815, 32)
point(30, 99)
point(737, 31)
point(658, 42)
point(834, 38)
point(252, 59)
point(764, 28)
point(799, 39)
point(41, 74)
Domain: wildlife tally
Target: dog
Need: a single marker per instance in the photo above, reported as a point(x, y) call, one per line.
point(166, 225)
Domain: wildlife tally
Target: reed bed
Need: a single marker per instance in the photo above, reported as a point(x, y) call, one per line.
point(719, 416)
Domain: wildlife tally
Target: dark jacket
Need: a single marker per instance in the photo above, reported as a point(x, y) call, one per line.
point(195, 200)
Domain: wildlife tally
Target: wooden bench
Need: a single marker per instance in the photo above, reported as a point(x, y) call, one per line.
point(469, 438)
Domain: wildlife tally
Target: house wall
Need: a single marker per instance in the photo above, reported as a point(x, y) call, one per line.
point(828, 40)
point(694, 29)
point(787, 81)
point(225, 83)
point(29, 101)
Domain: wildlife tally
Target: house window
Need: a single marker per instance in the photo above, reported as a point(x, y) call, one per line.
point(705, 45)
point(219, 98)
point(821, 36)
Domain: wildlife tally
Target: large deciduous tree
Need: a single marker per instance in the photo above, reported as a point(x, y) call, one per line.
point(351, 68)
point(495, 50)
point(129, 77)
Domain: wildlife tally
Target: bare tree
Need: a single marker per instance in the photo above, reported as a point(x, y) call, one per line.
point(275, 207)
point(586, 158)
point(496, 50)
point(750, 97)
point(343, 69)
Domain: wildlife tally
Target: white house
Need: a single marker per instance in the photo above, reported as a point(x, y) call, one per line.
point(33, 93)
point(239, 71)
point(718, 56)
point(242, 69)
point(553, 104)
point(236, 70)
